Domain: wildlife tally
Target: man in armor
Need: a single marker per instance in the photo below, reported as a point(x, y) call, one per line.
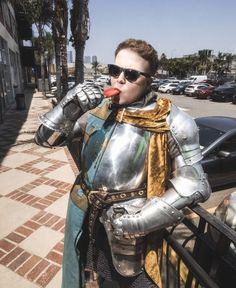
point(139, 159)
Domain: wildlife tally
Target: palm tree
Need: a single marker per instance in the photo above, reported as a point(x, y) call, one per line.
point(204, 58)
point(95, 66)
point(59, 28)
point(80, 33)
point(163, 62)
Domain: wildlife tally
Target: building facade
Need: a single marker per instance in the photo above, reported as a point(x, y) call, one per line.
point(11, 80)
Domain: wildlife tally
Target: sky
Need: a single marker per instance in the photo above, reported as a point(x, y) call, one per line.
point(173, 27)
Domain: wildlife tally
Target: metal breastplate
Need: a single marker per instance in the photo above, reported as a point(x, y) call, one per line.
point(118, 161)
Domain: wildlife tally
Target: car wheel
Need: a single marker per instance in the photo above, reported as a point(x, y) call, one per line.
point(181, 92)
point(168, 91)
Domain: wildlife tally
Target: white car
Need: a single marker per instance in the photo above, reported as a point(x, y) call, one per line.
point(166, 88)
point(190, 89)
point(103, 80)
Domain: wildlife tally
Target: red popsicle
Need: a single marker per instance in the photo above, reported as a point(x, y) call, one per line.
point(110, 92)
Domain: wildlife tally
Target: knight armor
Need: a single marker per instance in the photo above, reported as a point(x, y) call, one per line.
point(113, 159)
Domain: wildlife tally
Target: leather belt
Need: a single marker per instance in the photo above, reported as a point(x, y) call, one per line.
point(103, 198)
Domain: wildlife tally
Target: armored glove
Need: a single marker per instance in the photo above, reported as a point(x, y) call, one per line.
point(78, 100)
point(154, 215)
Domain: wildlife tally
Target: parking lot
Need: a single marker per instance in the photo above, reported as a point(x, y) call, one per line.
point(201, 107)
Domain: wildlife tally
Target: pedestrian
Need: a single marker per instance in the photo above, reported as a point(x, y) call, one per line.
point(139, 159)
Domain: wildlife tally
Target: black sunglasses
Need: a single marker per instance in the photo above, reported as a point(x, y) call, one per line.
point(130, 74)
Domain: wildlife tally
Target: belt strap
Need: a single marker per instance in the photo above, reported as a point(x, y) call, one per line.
point(101, 199)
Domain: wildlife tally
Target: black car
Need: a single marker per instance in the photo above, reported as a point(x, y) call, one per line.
point(155, 84)
point(179, 90)
point(218, 143)
point(224, 93)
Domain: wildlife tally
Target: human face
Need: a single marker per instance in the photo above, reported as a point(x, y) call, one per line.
point(130, 91)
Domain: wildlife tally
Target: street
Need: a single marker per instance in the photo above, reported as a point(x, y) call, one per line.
point(200, 108)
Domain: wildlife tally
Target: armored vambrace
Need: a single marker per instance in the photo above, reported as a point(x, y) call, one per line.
point(61, 122)
point(189, 186)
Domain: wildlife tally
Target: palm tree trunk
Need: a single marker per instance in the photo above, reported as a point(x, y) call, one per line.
point(64, 68)
point(42, 62)
point(79, 62)
point(80, 30)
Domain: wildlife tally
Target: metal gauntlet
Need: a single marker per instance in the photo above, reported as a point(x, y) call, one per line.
point(59, 123)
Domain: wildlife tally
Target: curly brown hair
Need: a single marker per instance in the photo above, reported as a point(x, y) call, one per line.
point(143, 49)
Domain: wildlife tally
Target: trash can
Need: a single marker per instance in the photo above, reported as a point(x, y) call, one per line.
point(20, 101)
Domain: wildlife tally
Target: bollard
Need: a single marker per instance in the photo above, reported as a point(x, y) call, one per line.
point(20, 101)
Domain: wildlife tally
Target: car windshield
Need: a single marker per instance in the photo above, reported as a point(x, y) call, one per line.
point(208, 135)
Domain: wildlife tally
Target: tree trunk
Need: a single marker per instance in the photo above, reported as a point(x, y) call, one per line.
point(60, 25)
point(79, 62)
point(64, 68)
point(42, 62)
point(80, 30)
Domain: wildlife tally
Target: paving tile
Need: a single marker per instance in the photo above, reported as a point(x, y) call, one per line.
point(25, 136)
point(47, 276)
point(55, 257)
point(22, 147)
point(14, 214)
point(8, 258)
point(18, 159)
point(10, 279)
point(58, 155)
point(20, 179)
point(56, 281)
point(42, 165)
point(6, 245)
point(59, 207)
point(42, 150)
point(37, 270)
point(41, 241)
point(19, 261)
point(28, 265)
point(14, 237)
point(42, 190)
point(64, 174)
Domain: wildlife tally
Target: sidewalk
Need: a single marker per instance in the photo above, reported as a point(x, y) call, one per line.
point(34, 188)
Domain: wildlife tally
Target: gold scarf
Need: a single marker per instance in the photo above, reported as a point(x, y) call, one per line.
point(154, 121)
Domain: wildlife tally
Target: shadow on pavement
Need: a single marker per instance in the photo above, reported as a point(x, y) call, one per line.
point(11, 127)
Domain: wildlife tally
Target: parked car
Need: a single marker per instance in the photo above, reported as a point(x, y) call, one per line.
point(179, 90)
point(103, 80)
point(155, 84)
point(166, 88)
point(224, 93)
point(218, 144)
point(203, 92)
point(197, 78)
point(190, 89)
point(211, 81)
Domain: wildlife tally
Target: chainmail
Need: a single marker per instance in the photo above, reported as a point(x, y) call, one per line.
point(98, 258)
